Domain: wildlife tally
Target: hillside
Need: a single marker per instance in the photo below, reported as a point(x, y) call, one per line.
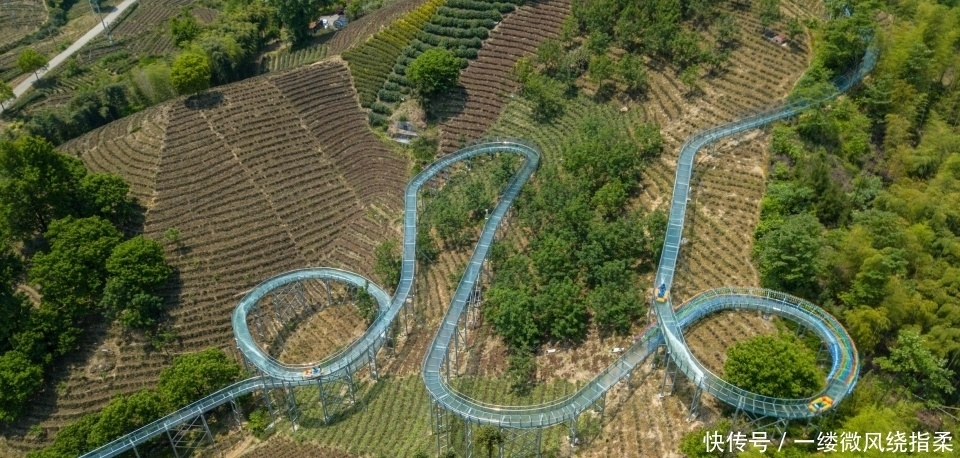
point(271, 174)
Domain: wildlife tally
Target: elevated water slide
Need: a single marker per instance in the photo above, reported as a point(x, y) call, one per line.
point(666, 332)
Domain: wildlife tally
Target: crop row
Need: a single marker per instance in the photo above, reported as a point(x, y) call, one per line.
point(334, 118)
point(285, 60)
point(18, 18)
point(372, 61)
point(460, 26)
point(486, 81)
point(147, 16)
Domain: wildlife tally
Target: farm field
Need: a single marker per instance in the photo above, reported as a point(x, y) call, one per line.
point(285, 448)
point(486, 82)
point(732, 175)
point(20, 17)
point(272, 174)
point(281, 172)
point(360, 30)
point(79, 21)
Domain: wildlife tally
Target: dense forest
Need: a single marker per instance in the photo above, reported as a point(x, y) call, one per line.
point(862, 213)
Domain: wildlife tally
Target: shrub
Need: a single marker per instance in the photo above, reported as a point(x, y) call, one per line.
point(434, 71)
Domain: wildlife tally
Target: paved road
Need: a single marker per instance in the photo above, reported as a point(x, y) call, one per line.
point(59, 58)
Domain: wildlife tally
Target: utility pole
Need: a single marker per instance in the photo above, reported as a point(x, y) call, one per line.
point(95, 7)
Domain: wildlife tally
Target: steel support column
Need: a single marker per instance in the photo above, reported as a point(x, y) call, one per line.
point(669, 375)
point(373, 365)
point(572, 428)
point(695, 403)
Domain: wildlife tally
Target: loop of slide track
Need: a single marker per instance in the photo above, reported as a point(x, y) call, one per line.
point(667, 331)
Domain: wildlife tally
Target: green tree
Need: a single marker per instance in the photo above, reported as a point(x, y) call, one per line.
point(296, 16)
point(107, 196)
point(30, 60)
point(71, 441)
point(72, 274)
point(727, 30)
point(488, 439)
point(434, 71)
point(387, 263)
point(867, 326)
point(614, 307)
point(563, 313)
point(6, 93)
point(917, 368)
point(137, 269)
point(620, 159)
point(769, 12)
point(773, 366)
point(521, 372)
point(195, 375)
point(789, 255)
point(14, 305)
point(19, 380)
point(600, 69)
point(124, 414)
point(632, 74)
point(366, 305)
point(690, 77)
point(794, 29)
point(512, 316)
point(37, 185)
point(550, 55)
point(184, 28)
point(427, 249)
point(546, 94)
point(190, 72)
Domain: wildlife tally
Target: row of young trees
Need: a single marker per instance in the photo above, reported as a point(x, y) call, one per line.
point(73, 223)
point(610, 41)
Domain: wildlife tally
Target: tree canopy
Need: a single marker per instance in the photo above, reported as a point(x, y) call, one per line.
point(37, 185)
point(917, 368)
point(137, 270)
point(6, 92)
point(296, 16)
point(774, 366)
point(789, 255)
point(194, 375)
point(30, 60)
point(190, 72)
point(434, 71)
point(73, 272)
point(190, 377)
point(19, 380)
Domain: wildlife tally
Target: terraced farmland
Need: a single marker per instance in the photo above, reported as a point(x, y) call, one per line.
point(486, 81)
point(372, 61)
point(282, 172)
point(274, 174)
point(130, 146)
point(289, 59)
point(362, 29)
point(20, 17)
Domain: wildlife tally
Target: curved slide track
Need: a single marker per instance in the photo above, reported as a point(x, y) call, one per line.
point(667, 332)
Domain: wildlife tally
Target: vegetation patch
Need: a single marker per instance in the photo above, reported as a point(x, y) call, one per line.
point(372, 61)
